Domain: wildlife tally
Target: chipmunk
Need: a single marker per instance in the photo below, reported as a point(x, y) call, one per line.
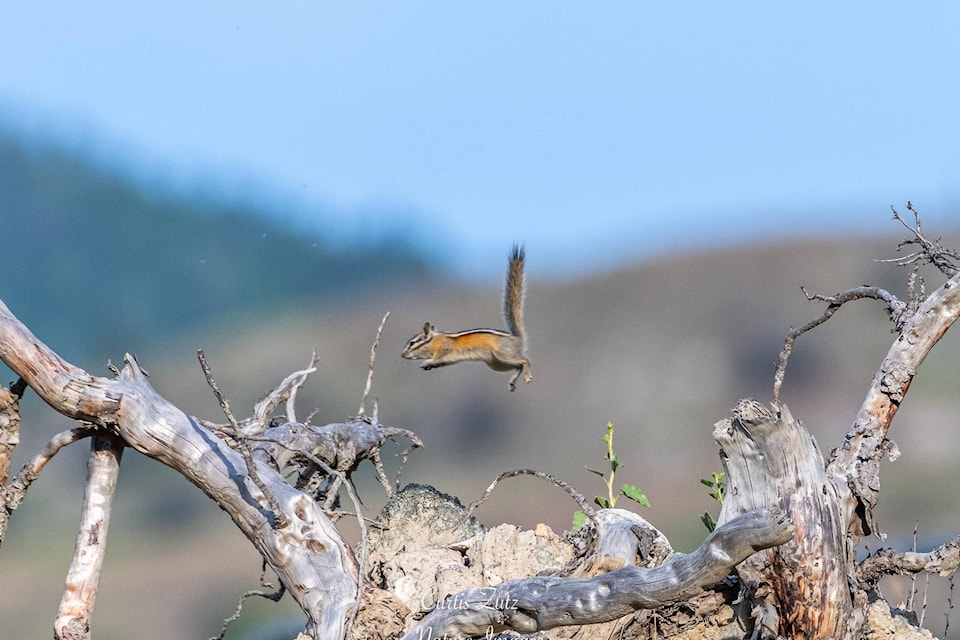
point(500, 350)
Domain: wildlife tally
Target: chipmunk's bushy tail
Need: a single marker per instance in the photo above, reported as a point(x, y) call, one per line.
point(514, 293)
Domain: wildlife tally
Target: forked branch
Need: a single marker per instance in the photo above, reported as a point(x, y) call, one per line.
point(931, 251)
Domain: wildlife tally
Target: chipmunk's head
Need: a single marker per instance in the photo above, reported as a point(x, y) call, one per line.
point(416, 348)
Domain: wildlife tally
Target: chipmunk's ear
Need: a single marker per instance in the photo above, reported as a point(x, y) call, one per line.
point(427, 328)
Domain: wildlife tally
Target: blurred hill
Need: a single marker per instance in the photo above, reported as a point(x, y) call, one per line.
point(148, 265)
point(663, 349)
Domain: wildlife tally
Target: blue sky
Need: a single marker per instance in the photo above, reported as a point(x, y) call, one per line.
point(596, 132)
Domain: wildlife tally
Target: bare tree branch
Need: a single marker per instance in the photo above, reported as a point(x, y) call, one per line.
point(895, 308)
point(944, 561)
point(345, 482)
point(286, 391)
point(373, 356)
point(83, 578)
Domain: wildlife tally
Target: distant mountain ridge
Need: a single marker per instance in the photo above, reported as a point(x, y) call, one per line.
point(91, 257)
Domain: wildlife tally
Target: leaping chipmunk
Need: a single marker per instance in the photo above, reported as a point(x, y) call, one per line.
point(500, 350)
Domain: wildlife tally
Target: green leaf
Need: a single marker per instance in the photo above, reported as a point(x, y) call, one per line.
point(635, 494)
point(594, 471)
point(708, 483)
point(615, 463)
point(603, 502)
point(708, 521)
point(579, 519)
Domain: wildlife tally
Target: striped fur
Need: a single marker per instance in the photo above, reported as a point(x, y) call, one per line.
point(500, 350)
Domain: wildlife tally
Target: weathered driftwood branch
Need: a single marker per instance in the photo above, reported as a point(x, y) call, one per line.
point(83, 578)
point(540, 603)
point(944, 560)
point(625, 539)
point(308, 555)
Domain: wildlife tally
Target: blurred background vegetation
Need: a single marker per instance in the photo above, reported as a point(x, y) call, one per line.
point(97, 264)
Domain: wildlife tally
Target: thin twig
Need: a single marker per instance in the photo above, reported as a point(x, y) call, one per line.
point(946, 625)
point(381, 474)
point(31, 471)
point(913, 578)
point(373, 357)
point(269, 595)
point(931, 251)
point(296, 384)
point(923, 606)
point(573, 493)
point(403, 459)
point(895, 308)
point(222, 399)
point(12, 495)
point(279, 519)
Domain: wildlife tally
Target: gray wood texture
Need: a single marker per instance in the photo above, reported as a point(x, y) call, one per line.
point(540, 603)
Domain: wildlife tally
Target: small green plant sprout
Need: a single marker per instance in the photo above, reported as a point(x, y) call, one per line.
point(719, 485)
point(609, 501)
